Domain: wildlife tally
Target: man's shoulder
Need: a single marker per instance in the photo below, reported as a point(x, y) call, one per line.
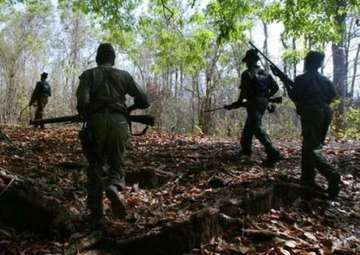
point(117, 72)
point(323, 78)
point(121, 73)
point(86, 73)
point(42, 83)
point(301, 78)
point(246, 73)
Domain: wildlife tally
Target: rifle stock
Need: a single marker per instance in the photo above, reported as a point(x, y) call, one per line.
point(147, 120)
point(143, 119)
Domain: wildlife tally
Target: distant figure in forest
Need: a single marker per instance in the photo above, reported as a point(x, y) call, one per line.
point(312, 94)
point(101, 102)
point(256, 88)
point(39, 97)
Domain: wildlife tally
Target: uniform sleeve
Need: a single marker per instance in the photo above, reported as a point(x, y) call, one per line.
point(49, 90)
point(83, 94)
point(35, 93)
point(295, 92)
point(244, 86)
point(141, 101)
point(330, 91)
point(273, 86)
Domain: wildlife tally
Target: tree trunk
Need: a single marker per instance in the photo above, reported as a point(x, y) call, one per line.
point(295, 63)
point(265, 46)
point(193, 103)
point(339, 65)
point(10, 97)
point(205, 120)
point(74, 56)
point(356, 62)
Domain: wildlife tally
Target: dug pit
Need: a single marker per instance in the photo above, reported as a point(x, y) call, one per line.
point(179, 237)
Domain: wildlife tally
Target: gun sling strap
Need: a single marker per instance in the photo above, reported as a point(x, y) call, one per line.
point(109, 103)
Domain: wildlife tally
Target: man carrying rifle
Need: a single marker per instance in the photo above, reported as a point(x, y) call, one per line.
point(101, 102)
point(256, 88)
point(40, 96)
point(312, 93)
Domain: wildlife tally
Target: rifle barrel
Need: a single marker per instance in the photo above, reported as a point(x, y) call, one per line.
point(288, 83)
point(262, 54)
point(215, 109)
point(72, 118)
point(143, 119)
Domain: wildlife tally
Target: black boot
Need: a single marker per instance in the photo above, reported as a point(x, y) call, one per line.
point(272, 159)
point(117, 206)
point(93, 220)
point(334, 186)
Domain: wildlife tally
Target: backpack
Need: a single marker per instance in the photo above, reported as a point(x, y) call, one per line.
point(260, 83)
point(44, 88)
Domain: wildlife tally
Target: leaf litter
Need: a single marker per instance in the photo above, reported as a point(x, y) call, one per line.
point(52, 160)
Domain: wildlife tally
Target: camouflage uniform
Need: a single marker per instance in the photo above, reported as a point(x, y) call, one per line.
point(101, 100)
point(40, 96)
point(256, 87)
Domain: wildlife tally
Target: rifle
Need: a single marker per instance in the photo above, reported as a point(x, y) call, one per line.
point(215, 109)
point(147, 120)
point(288, 83)
point(275, 100)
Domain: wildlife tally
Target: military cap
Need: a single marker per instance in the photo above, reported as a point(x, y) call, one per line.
point(251, 55)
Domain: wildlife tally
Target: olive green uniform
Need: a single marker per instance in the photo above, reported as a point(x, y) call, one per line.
point(312, 94)
point(101, 100)
point(39, 97)
point(256, 87)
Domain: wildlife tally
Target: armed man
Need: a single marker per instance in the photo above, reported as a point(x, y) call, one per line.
point(256, 88)
point(101, 102)
point(312, 94)
point(40, 96)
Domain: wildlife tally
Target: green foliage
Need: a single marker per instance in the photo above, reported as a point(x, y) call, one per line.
point(313, 20)
point(231, 17)
point(23, 28)
point(116, 12)
point(293, 56)
point(352, 127)
point(352, 118)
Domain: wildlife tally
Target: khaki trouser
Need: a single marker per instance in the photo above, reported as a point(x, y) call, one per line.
point(105, 143)
point(41, 102)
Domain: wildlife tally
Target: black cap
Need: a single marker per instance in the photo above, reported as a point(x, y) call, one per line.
point(314, 59)
point(251, 55)
point(105, 53)
point(44, 75)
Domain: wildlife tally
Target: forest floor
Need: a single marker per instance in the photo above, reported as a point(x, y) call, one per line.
point(189, 191)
